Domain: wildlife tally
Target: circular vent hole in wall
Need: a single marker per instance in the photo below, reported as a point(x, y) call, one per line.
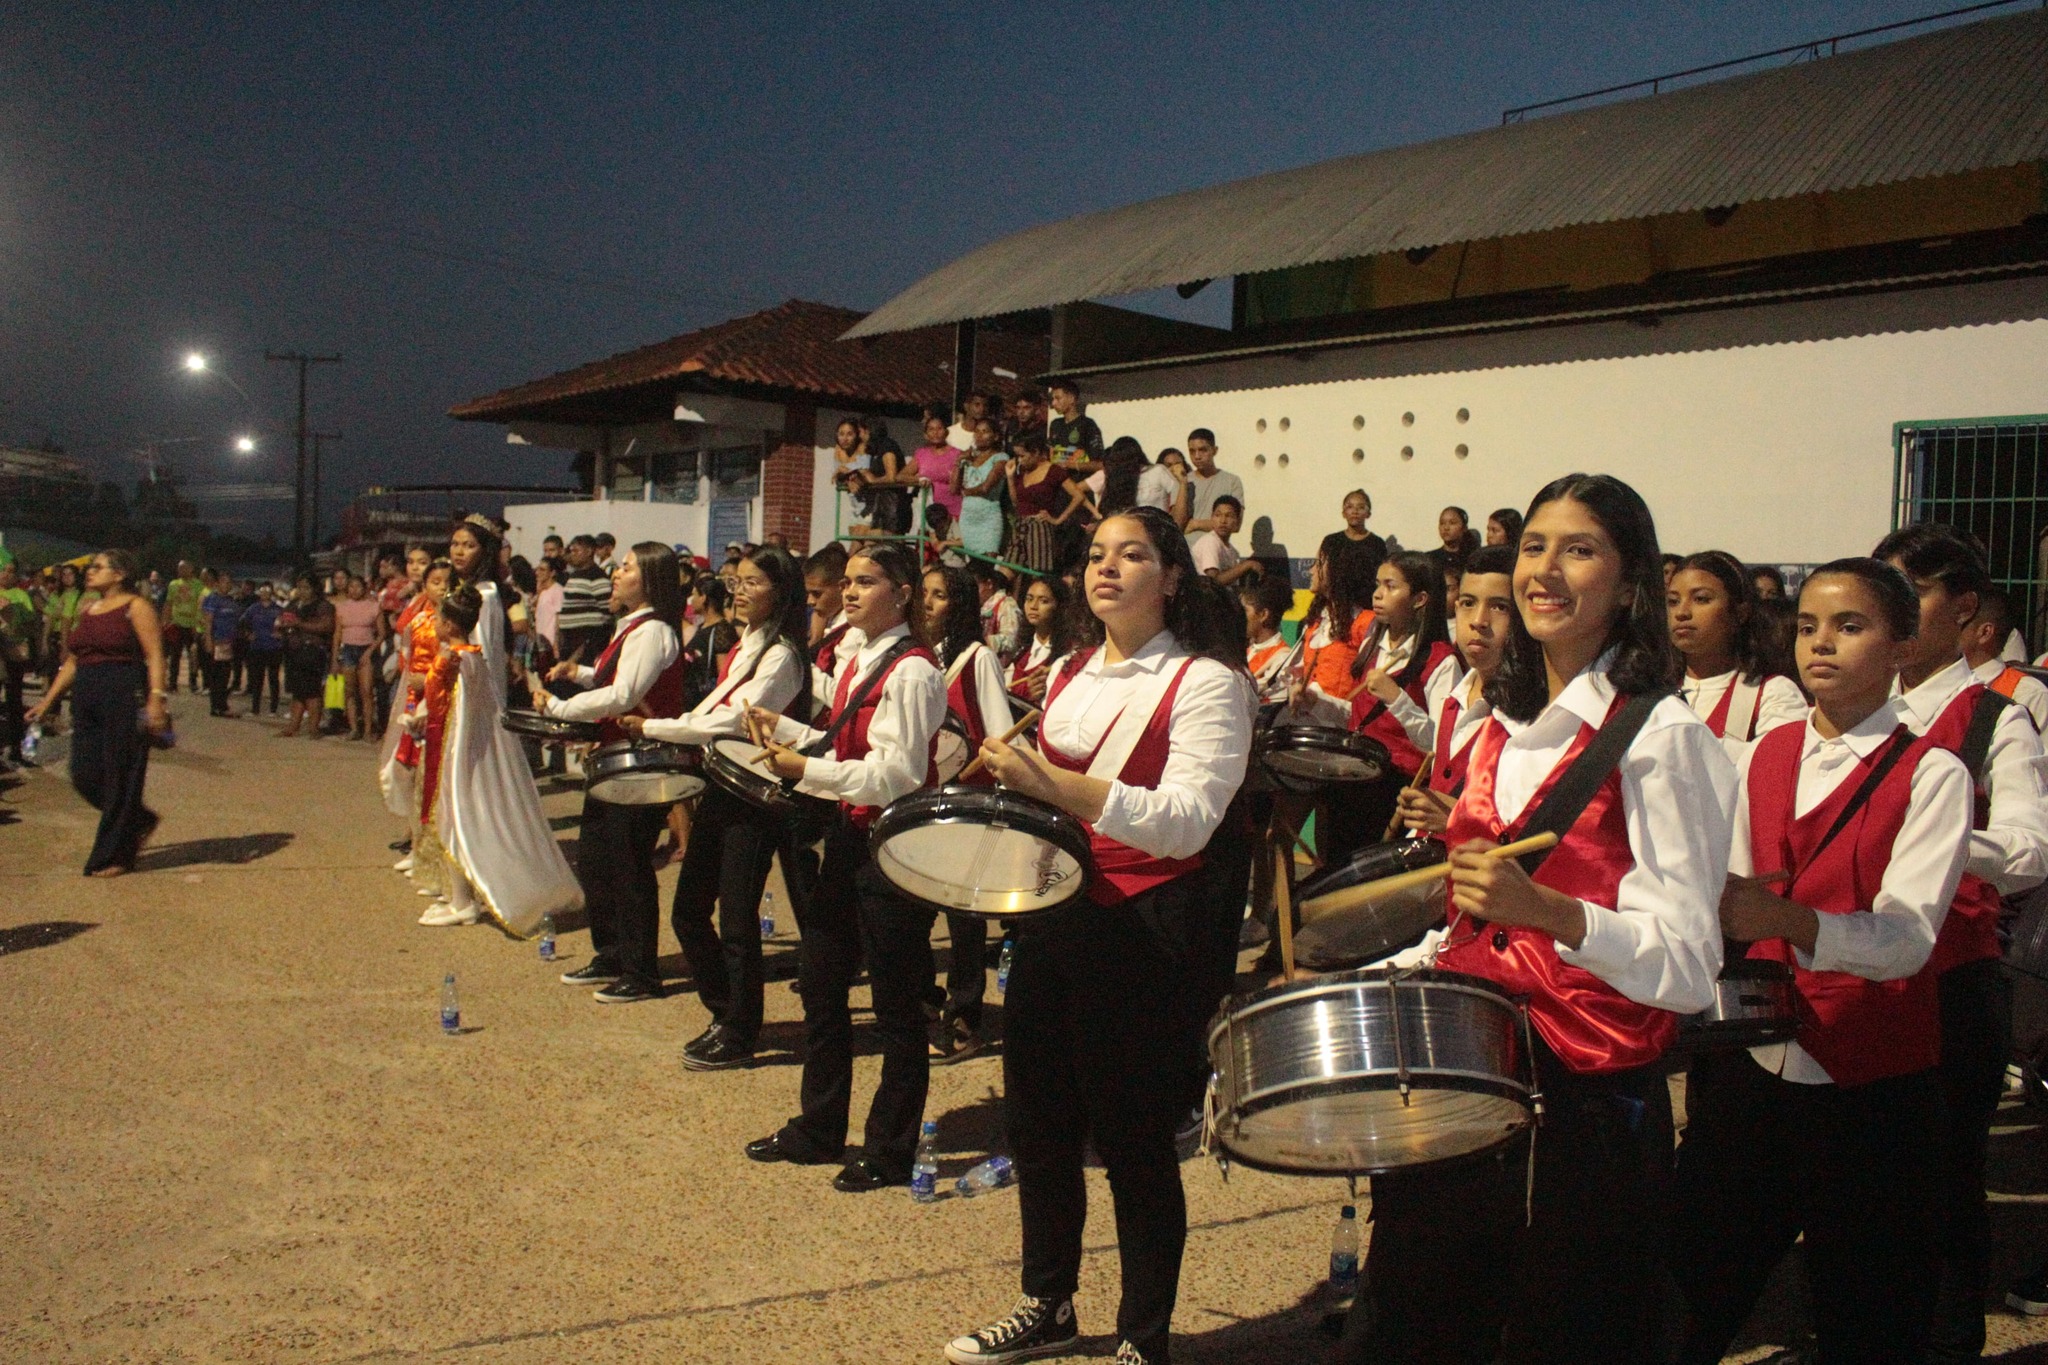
point(1358, 424)
point(1259, 460)
point(1464, 414)
point(1407, 452)
point(1462, 451)
point(1283, 460)
point(1358, 457)
point(1284, 424)
point(1259, 425)
point(1407, 419)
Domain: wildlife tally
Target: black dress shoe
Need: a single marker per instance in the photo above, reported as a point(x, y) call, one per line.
point(627, 990)
point(717, 1050)
point(596, 972)
point(863, 1174)
point(396, 845)
point(710, 1029)
point(772, 1148)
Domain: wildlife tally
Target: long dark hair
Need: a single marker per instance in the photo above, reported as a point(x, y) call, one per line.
point(1348, 581)
point(489, 541)
point(792, 623)
point(1122, 464)
point(1640, 633)
point(1066, 629)
point(950, 635)
point(899, 563)
point(1420, 573)
point(661, 579)
point(1755, 656)
point(1203, 616)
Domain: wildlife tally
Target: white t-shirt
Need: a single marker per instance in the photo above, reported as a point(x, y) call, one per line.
point(1213, 554)
point(1157, 487)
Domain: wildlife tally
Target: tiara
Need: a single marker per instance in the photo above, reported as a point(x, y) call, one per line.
point(479, 519)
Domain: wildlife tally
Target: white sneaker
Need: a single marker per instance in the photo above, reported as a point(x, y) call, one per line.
point(440, 913)
point(426, 891)
point(403, 864)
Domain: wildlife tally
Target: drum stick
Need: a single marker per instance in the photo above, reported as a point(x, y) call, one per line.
point(1416, 783)
point(1353, 896)
point(1015, 730)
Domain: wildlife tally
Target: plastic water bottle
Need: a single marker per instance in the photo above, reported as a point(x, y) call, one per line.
point(451, 1011)
point(31, 740)
point(767, 914)
point(1344, 1255)
point(1003, 967)
point(547, 938)
point(924, 1171)
point(992, 1174)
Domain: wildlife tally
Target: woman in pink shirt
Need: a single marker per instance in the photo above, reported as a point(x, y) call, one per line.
point(359, 623)
point(937, 466)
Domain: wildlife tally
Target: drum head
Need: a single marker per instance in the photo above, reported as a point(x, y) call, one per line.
point(1367, 1132)
point(949, 753)
point(1367, 933)
point(1309, 757)
point(982, 851)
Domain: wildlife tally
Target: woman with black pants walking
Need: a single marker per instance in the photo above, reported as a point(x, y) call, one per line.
point(117, 653)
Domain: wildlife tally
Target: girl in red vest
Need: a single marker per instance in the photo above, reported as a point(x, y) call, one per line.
point(1731, 680)
point(1485, 607)
point(1145, 738)
point(975, 701)
point(1850, 837)
point(1405, 669)
point(731, 842)
point(1614, 936)
point(640, 670)
point(1047, 602)
point(883, 751)
point(2008, 855)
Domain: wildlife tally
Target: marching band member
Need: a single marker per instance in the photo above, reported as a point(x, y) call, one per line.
point(732, 843)
point(639, 670)
point(2008, 855)
point(884, 720)
point(1836, 1135)
point(1407, 668)
point(1145, 738)
point(1614, 936)
point(1338, 620)
point(1731, 681)
point(975, 699)
point(1269, 658)
point(1993, 623)
point(833, 638)
point(1485, 605)
point(1046, 631)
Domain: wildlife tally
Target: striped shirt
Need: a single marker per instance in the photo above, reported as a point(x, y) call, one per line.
point(586, 600)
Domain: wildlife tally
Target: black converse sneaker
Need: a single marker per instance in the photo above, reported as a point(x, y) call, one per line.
point(1035, 1327)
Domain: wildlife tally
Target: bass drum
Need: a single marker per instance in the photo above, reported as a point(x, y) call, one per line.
point(1360, 935)
point(1370, 1071)
point(983, 851)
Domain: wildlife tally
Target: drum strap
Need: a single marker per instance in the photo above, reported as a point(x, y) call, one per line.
point(1575, 790)
point(817, 747)
point(1983, 724)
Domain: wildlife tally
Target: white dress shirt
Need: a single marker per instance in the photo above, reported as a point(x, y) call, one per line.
point(772, 686)
point(1419, 722)
point(908, 710)
point(1037, 654)
point(643, 657)
point(1209, 738)
point(1781, 703)
point(2011, 852)
point(1473, 709)
point(2029, 693)
point(1894, 939)
point(1660, 944)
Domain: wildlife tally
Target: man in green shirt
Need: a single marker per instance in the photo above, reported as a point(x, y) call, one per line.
point(19, 628)
point(186, 629)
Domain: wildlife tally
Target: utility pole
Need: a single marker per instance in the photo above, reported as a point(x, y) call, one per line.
point(317, 437)
point(299, 481)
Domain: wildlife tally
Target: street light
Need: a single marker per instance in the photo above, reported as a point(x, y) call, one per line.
point(246, 444)
point(195, 362)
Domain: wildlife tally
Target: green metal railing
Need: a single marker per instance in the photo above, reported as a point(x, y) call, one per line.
point(919, 500)
point(1987, 476)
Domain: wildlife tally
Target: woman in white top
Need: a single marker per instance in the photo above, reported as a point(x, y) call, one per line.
point(880, 740)
point(474, 548)
point(732, 843)
point(1103, 1016)
point(1731, 681)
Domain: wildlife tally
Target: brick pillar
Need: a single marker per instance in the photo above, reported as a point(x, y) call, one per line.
point(786, 480)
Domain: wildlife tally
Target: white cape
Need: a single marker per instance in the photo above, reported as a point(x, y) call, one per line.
point(394, 779)
point(489, 815)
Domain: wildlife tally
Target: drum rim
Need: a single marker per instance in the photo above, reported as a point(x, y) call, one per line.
point(514, 719)
point(1302, 894)
point(1756, 969)
point(1247, 1003)
point(621, 752)
point(1224, 1137)
point(739, 777)
point(1328, 739)
point(1061, 828)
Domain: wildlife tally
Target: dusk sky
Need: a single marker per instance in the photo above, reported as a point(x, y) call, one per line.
point(458, 198)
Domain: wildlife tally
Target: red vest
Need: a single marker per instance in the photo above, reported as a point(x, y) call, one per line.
point(964, 701)
point(851, 743)
point(825, 658)
point(664, 701)
point(1970, 933)
point(1591, 1026)
point(1123, 872)
point(1369, 715)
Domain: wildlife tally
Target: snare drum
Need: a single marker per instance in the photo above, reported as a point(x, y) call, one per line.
point(644, 772)
point(1364, 934)
point(1370, 1071)
point(551, 729)
point(731, 763)
point(1753, 1006)
point(983, 851)
point(1310, 758)
point(950, 750)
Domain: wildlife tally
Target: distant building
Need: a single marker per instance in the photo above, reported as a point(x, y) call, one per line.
point(36, 481)
point(725, 434)
point(1793, 308)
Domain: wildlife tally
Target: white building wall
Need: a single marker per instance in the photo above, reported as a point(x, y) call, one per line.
point(671, 523)
point(1764, 431)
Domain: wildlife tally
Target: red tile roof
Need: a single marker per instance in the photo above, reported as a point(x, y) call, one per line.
point(793, 347)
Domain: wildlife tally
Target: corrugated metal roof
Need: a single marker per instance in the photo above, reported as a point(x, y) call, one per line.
point(1968, 98)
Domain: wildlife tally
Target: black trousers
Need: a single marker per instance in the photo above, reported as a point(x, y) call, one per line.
point(725, 867)
point(966, 967)
point(110, 759)
point(265, 666)
point(615, 865)
point(12, 718)
point(1853, 1168)
point(220, 674)
point(1096, 1043)
point(1459, 1271)
point(1976, 1043)
point(852, 912)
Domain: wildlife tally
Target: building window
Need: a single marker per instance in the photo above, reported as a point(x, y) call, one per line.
point(736, 472)
point(1987, 476)
point(676, 475)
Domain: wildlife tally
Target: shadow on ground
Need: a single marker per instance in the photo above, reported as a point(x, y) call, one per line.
point(45, 934)
point(241, 848)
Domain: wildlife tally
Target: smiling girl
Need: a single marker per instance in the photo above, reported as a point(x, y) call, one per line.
point(1611, 937)
point(1731, 680)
